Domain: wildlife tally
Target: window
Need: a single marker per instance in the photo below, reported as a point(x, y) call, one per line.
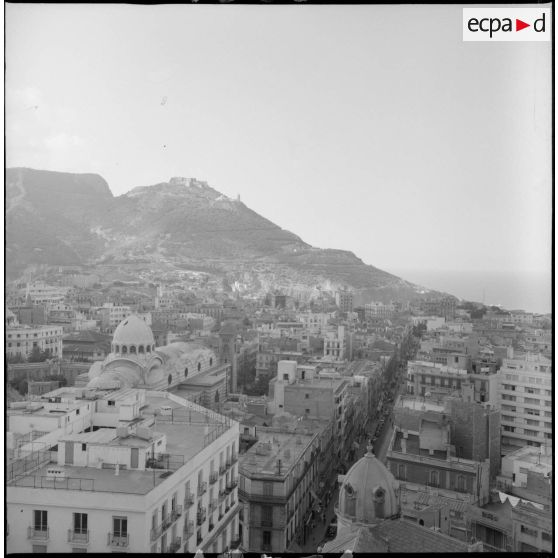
point(434, 478)
point(267, 515)
point(268, 488)
point(530, 432)
point(40, 520)
point(532, 422)
point(199, 366)
point(39, 549)
point(531, 401)
point(529, 531)
point(546, 536)
point(80, 523)
point(306, 396)
point(83, 447)
point(111, 403)
point(266, 538)
point(120, 526)
point(507, 428)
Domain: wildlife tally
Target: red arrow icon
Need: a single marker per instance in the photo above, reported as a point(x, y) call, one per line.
point(519, 25)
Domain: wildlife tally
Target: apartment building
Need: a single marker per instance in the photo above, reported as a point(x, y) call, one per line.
point(525, 400)
point(344, 301)
point(278, 479)
point(111, 315)
point(150, 473)
point(378, 310)
point(433, 378)
point(22, 339)
point(422, 453)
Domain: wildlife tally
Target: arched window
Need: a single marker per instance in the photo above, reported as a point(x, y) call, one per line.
point(421, 521)
point(199, 366)
point(211, 361)
point(117, 348)
point(379, 500)
point(148, 348)
point(350, 500)
point(169, 379)
point(133, 350)
point(140, 349)
point(124, 349)
point(186, 372)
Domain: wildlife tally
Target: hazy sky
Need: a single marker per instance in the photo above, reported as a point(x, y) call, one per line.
point(369, 128)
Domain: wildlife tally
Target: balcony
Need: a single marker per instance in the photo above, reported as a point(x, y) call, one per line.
point(37, 532)
point(232, 484)
point(175, 545)
point(202, 489)
point(213, 477)
point(266, 523)
point(222, 469)
point(199, 539)
point(167, 521)
point(210, 528)
point(222, 495)
point(78, 535)
point(188, 529)
point(121, 540)
point(176, 512)
point(228, 462)
point(212, 505)
point(234, 459)
point(188, 501)
point(201, 516)
point(156, 532)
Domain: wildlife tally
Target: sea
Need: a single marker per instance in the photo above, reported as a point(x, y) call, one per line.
point(529, 291)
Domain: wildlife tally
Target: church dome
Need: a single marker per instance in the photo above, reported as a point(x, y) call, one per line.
point(133, 336)
point(369, 492)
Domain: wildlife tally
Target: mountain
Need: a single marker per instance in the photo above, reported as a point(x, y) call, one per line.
point(57, 218)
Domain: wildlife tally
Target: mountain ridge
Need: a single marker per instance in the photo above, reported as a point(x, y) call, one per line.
point(61, 218)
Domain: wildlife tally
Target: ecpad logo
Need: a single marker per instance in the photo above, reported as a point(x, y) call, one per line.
point(506, 24)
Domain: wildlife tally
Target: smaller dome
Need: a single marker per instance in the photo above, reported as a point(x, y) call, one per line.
point(369, 492)
point(133, 331)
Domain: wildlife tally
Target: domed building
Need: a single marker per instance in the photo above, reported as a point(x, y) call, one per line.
point(368, 494)
point(135, 362)
point(368, 516)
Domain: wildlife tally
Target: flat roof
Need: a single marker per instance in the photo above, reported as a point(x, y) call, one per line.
point(263, 456)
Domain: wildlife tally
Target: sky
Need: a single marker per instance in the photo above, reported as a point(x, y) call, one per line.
point(374, 129)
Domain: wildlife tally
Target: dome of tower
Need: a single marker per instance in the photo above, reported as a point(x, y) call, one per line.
point(132, 333)
point(369, 492)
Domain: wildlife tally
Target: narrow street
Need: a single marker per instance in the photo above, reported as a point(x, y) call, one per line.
point(317, 537)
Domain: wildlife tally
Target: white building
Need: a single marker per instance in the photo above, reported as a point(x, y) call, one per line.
point(41, 293)
point(152, 473)
point(314, 322)
point(525, 401)
point(112, 315)
point(22, 339)
point(378, 310)
point(335, 344)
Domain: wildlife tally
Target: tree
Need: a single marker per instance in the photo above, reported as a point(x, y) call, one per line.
point(37, 355)
point(16, 359)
